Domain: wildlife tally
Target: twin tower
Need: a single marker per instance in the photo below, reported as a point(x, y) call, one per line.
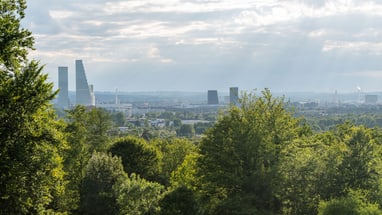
point(84, 92)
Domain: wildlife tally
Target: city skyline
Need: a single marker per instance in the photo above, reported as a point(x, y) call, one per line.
point(189, 45)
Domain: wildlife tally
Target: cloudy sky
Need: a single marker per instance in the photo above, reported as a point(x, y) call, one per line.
point(196, 45)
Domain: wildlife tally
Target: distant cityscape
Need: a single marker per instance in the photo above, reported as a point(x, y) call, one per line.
point(130, 103)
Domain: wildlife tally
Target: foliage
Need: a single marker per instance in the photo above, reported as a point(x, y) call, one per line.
point(173, 152)
point(118, 119)
point(137, 156)
point(325, 166)
point(355, 203)
point(180, 201)
point(358, 169)
point(186, 130)
point(15, 41)
point(138, 196)
point(76, 156)
point(239, 156)
point(185, 174)
point(98, 122)
point(89, 127)
point(103, 174)
point(325, 123)
point(87, 131)
point(356, 152)
point(201, 128)
point(309, 167)
point(31, 176)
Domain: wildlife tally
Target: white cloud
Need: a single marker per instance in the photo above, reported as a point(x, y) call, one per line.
point(360, 47)
point(254, 38)
point(60, 14)
point(175, 6)
point(154, 53)
point(147, 29)
point(318, 33)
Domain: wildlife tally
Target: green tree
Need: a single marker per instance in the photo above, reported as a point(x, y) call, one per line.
point(177, 122)
point(354, 203)
point(186, 130)
point(103, 174)
point(98, 123)
point(360, 168)
point(185, 174)
point(118, 119)
point(137, 157)
point(240, 157)
point(76, 156)
point(31, 176)
point(137, 196)
point(15, 41)
point(353, 161)
point(173, 151)
point(180, 201)
point(31, 143)
point(327, 165)
point(308, 165)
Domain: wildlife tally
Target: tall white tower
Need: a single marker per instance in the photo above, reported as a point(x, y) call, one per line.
point(63, 94)
point(233, 95)
point(83, 94)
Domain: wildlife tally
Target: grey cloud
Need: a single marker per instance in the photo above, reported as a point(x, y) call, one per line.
point(315, 3)
point(209, 48)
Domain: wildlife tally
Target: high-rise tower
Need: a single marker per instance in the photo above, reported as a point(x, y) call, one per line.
point(63, 94)
point(212, 97)
point(83, 94)
point(233, 95)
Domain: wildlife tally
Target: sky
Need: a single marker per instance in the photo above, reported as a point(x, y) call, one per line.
point(200, 45)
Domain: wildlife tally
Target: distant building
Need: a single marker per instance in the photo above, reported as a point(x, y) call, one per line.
point(371, 99)
point(124, 108)
point(83, 91)
point(63, 94)
point(233, 95)
point(213, 97)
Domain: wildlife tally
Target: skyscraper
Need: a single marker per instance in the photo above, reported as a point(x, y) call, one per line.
point(233, 95)
point(63, 94)
point(83, 94)
point(213, 97)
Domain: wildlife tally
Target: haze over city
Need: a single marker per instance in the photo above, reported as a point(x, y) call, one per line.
point(180, 45)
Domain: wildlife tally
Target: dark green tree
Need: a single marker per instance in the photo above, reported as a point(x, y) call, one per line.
point(31, 140)
point(354, 203)
point(98, 123)
point(103, 174)
point(31, 143)
point(137, 157)
point(86, 131)
point(137, 196)
point(76, 156)
point(15, 41)
point(186, 130)
point(240, 157)
point(180, 201)
point(307, 165)
point(119, 119)
point(360, 168)
point(326, 166)
point(185, 174)
point(173, 151)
